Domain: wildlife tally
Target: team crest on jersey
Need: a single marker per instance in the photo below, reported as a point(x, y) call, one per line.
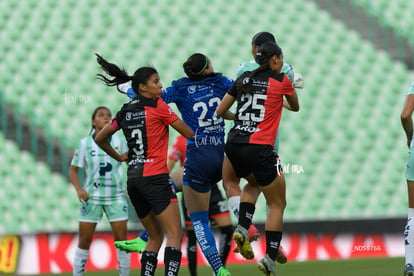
point(134, 115)
point(128, 116)
point(192, 89)
point(246, 80)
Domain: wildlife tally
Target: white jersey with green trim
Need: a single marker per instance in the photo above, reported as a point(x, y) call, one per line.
point(252, 65)
point(103, 174)
point(411, 88)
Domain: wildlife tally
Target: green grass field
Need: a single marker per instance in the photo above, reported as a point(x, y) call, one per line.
point(355, 267)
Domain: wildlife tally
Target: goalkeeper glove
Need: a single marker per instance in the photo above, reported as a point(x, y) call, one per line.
point(298, 81)
point(125, 88)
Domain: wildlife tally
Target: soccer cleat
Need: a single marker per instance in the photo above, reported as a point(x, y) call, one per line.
point(267, 266)
point(243, 244)
point(135, 245)
point(223, 272)
point(252, 233)
point(281, 256)
point(409, 270)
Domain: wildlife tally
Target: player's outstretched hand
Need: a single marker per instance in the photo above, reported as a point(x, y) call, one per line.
point(298, 82)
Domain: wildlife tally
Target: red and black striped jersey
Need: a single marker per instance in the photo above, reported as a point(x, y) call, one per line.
point(145, 122)
point(259, 111)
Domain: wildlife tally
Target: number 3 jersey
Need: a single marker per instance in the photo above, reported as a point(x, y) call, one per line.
point(103, 174)
point(145, 122)
point(259, 111)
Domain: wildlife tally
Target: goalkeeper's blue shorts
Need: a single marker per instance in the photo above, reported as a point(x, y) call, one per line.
point(203, 166)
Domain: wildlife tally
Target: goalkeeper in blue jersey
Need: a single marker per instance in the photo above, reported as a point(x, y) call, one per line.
point(407, 124)
point(197, 96)
point(100, 193)
point(230, 180)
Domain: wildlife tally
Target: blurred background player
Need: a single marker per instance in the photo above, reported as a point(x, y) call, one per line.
point(197, 97)
point(250, 147)
point(177, 153)
point(100, 193)
point(145, 123)
point(407, 124)
point(231, 182)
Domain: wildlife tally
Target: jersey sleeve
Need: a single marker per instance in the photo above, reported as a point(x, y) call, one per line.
point(240, 70)
point(166, 113)
point(287, 86)
point(169, 95)
point(114, 122)
point(288, 70)
point(79, 155)
point(226, 82)
point(245, 67)
point(232, 90)
point(411, 89)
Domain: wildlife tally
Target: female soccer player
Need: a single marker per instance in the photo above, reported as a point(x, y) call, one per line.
point(100, 193)
point(230, 181)
point(197, 97)
point(249, 147)
point(407, 124)
point(145, 121)
point(219, 213)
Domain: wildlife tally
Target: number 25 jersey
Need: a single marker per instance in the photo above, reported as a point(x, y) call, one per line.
point(259, 111)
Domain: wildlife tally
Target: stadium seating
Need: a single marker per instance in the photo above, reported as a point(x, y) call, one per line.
point(393, 14)
point(346, 138)
point(33, 199)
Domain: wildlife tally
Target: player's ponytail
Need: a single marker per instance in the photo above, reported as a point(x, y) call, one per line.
point(120, 76)
point(266, 51)
point(195, 65)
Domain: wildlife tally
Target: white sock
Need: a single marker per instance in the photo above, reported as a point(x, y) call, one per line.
point(79, 263)
point(123, 262)
point(409, 238)
point(234, 204)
